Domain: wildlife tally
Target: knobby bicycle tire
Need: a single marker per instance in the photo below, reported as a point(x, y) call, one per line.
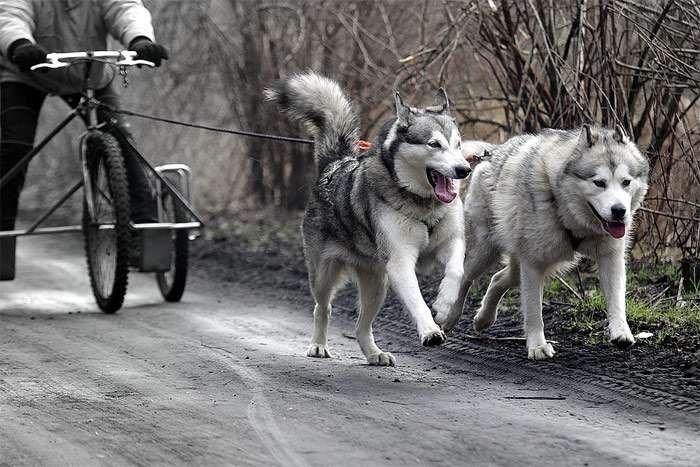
point(107, 250)
point(172, 283)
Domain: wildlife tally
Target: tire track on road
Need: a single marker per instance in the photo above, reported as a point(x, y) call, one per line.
point(498, 361)
point(260, 414)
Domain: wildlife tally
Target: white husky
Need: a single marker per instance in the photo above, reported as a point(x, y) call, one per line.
point(541, 201)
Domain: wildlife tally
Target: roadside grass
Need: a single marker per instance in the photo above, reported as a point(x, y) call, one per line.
point(652, 306)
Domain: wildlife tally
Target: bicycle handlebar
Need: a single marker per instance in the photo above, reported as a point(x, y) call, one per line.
point(123, 58)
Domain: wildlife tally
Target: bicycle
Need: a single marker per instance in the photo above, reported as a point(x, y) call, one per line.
point(106, 226)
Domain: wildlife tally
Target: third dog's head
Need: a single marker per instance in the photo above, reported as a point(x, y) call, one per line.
point(422, 150)
point(608, 175)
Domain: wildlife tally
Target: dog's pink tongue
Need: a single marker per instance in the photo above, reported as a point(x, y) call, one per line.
point(616, 229)
point(444, 188)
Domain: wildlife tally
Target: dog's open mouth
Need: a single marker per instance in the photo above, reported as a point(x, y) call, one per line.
point(615, 229)
point(443, 187)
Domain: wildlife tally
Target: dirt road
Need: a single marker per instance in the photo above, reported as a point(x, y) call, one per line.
point(220, 379)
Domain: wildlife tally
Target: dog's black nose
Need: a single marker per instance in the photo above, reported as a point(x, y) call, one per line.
point(618, 211)
point(462, 171)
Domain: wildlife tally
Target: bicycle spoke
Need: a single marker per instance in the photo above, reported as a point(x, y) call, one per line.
point(102, 185)
point(104, 195)
point(103, 248)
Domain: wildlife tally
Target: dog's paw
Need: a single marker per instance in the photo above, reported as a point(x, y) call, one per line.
point(483, 321)
point(433, 338)
point(381, 359)
point(540, 352)
point(318, 351)
point(620, 335)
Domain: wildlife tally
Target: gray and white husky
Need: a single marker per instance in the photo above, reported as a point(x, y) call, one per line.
point(374, 217)
point(542, 201)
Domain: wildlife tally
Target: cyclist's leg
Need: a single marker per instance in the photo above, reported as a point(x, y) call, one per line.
point(19, 112)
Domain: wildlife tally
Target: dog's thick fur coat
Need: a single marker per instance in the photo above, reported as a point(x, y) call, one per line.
point(542, 201)
point(373, 217)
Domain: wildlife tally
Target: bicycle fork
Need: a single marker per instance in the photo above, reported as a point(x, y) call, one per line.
point(91, 105)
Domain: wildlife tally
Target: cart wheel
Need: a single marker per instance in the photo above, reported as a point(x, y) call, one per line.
point(172, 283)
point(107, 237)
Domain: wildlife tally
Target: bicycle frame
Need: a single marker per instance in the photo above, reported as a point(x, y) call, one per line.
point(89, 104)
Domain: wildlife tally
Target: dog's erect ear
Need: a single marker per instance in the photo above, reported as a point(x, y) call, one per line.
point(620, 135)
point(587, 138)
point(402, 110)
point(443, 103)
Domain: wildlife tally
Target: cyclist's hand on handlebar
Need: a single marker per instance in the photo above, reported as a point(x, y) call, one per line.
point(147, 50)
point(24, 54)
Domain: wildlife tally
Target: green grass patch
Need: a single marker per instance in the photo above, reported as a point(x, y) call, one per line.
point(554, 288)
point(666, 322)
point(587, 317)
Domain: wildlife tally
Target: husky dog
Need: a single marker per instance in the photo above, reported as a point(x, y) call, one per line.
point(374, 217)
point(542, 201)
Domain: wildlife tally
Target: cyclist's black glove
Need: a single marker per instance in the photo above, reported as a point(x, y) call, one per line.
point(24, 54)
point(147, 50)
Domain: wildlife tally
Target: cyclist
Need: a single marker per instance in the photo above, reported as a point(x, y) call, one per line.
point(30, 28)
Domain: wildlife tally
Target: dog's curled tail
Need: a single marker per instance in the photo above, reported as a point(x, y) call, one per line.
point(322, 106)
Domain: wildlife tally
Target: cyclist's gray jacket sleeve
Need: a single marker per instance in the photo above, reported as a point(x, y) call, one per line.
point(68, 26)
point(127, 19)
point(16, 22)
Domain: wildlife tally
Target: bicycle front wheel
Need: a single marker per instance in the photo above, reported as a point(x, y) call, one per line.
point(107, 234)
